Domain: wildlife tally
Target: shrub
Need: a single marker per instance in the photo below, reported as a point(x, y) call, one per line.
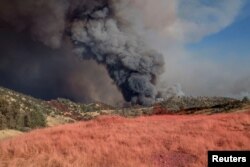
point(34, 119)
point(12, 117)
point(245, 100)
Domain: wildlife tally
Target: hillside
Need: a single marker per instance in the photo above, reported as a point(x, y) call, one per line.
point(207, 105)
point(174, 132)
point(23, 113)
point(156, 141)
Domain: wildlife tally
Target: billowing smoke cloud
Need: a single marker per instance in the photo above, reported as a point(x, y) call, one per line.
point(134, 68)
point(98, 32)
point(174, 91)
point(117, 34)
point(32, 68)
point(43, 19)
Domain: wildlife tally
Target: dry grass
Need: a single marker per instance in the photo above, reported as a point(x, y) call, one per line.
point(162, 141)
point(58, 120)
point(4, 134)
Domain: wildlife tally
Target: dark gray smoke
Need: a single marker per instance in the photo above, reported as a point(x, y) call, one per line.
point(96, 32)
point(35, 69)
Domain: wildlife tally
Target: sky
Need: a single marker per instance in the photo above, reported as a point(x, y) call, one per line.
point(230, 49)
point(206, 46)
point(231, 43)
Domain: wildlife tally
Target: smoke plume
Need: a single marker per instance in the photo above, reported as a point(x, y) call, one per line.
point(98, 31)
point(32, 68)
point(112, 40)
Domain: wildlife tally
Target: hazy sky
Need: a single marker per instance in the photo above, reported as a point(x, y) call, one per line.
point(231, 43)
point(206, 45)
point(229, 49)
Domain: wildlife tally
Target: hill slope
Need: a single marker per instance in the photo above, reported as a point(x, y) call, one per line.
point(157, 141)
point(22, 112)
point(18, 111)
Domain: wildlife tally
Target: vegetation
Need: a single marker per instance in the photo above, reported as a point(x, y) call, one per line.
point(12, 117)
point(191, 105)
point(166, 140)
point(169, 140)
point(246, 100)
point(22, 112)
point(5, 134)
